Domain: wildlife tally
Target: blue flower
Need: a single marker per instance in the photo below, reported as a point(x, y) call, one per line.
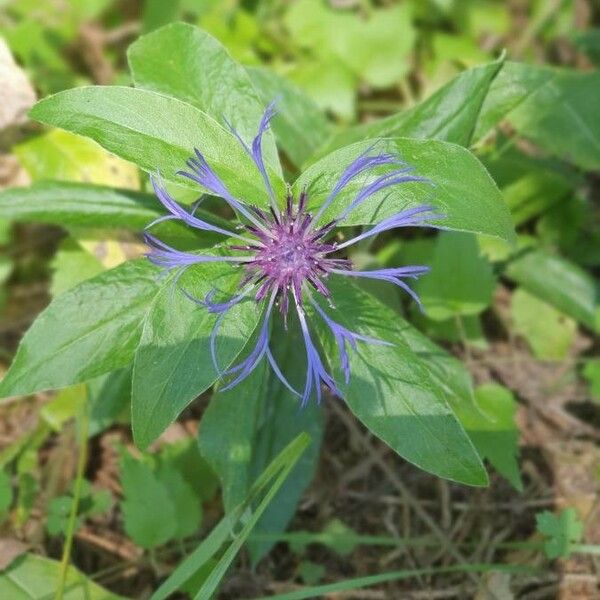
point(287, 256)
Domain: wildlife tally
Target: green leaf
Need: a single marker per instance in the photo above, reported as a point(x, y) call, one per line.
point(460, 282)
point(558, 282)
point(6, 492)
point(462, 189)
point(72, 265)
point(310, 572)
point(109, 399)
point(530, 185)
point(173, 363)
point(461, 329)
point(268, 419)
point(187, 63)
point(31, 577)
point(588, 41)
point(562, 531)
point(188, 507)
point(394, 394)
point(329, 83)
point(184, 456)
point(227, 531)
point(549, 332)
point(58, 515)
point(448, 373)
point(591, 373)
point(61, 155)
point(300, 127)
point(149, 510)
point(104, 317)
point(157, 13)
point(448, 115)
point(490, 424)
point(157, 133)
point(375, 48)
point(79, 205)
point(343, 539)
point(65, 406)
point(549, 106)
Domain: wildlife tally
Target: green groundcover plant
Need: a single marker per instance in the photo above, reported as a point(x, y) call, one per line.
point(255, 285)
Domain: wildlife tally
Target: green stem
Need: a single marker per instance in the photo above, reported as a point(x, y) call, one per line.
point(81, 462)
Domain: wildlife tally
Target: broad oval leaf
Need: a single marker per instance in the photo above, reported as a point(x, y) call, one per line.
point(448, 115)
point(552, 107)
point(89, 330)
point(79, 205)
point(173, 363)
point(185, 62)
point(394, 394)
point(462, 189)
point(32, 577)
point(558, 282)
point(63, 156)
point(157, 133)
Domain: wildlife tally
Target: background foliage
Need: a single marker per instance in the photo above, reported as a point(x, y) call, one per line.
point(118, 453)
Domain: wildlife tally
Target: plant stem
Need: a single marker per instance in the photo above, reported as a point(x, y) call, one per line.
point(81, 462)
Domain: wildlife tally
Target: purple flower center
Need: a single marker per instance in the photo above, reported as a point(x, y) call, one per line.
point(289, 250)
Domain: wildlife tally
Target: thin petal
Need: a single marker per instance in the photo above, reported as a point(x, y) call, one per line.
point(178, 212)
point(358, 166)
point(395, 177)
point(261, 348)
point(163, 255)
point(392, 275)
point(315, 370)
point(345, 336)
point(256, 151)
point(201, 173)
point(414, 217)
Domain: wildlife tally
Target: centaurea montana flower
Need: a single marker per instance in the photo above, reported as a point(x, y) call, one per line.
point(287, 255)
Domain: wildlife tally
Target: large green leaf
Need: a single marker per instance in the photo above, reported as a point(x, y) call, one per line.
point(90, 329)
point(558, 282)
point(71, 265)
point(449, 374)
point(268, 417)
point(149, 514)
point(109, 399)
point(549, 332)
point(462, 189)
point(530, 185)
point(156, 132)
point(32, 577)
point(394, 394)
point(79, 205)
point(448, 115)
point(490, 424)
point(461, 280)
point(64, 156)
point(185, 62)
point(552, 107)
point(300, 127)
point(173, 363)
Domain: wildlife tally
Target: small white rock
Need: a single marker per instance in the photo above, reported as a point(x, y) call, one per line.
point(17, 95)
